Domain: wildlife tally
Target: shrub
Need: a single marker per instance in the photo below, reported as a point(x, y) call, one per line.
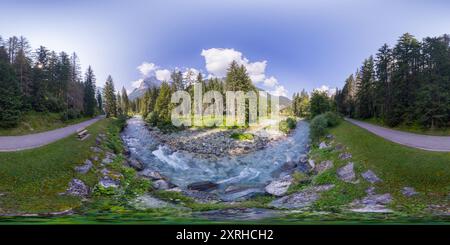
point(332, 119)
point(287, 125)
point(318, 127)
point(152, 119)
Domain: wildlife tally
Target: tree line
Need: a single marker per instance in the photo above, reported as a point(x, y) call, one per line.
point(156, 106)
point(44, 81)
point(406, 84)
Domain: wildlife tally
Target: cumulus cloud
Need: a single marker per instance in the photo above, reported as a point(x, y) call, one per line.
point(270, 82)
point(147, 68)
point(162, 75)
point(326, 89)
point(279, 91)
point(219, 59)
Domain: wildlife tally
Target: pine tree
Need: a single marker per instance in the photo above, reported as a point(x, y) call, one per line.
point(125, 101)
point(10, 99)
point(365, 92)
point(99, 101)
point(109, 97)
point(162, 105)
point(89, 93)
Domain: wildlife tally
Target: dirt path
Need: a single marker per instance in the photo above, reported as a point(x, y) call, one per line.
point(424, 142)
point(30, 141)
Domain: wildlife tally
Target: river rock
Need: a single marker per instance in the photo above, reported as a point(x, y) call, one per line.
point(311, 163)
point(300, 199)
point(107, 160)
point(346, 173)
point(108, 182)
point(324, 166)
point(202, 186)
point(303, 158)
point(280, 186)
point(161, 185)
point(345, 156)
point(370, 176)
point(134, 163)
point(77, 188)
point(150, 174)
point(83, 169)
point(409, 191)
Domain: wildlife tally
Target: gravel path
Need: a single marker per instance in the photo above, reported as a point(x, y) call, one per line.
point(30, 141)
point(424, 142)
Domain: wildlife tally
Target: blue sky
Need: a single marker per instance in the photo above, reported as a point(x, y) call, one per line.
point(288, 45)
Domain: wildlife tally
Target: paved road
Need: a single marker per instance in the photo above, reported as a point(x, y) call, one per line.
point(18, 143)
point(424, 142)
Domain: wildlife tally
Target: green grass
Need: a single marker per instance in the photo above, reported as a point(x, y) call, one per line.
point(414, 128)
point(398, 166)
point(33, 179)
point(241, 136)
point(35, 122)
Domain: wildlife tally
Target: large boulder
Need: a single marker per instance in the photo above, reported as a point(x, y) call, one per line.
point(372, 203)
point(370, 176)
point(77, 188)
point(203, 186)
point(279, 187)
point(347, 173)
point(300, 199)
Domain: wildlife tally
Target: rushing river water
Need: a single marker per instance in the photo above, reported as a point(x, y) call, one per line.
point(252, 170)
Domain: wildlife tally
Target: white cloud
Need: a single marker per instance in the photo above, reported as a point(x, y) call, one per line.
point(146, 68)
point(162, 75)
point(137, 83)
point(219, 59)
point(326, 89)
point(279, 91)
point(270, 82)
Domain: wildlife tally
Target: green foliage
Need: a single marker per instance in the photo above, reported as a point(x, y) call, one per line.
point(109, 97)
point(300, 104)
point(152, 119)
point(287, 125)
point(10, 99)
point(319, 103)
point(318, 127)
point(163, 104)
point(242, 136)
point(332, 119)
point(90, 102)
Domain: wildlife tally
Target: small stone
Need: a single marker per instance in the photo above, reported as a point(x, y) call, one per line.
point(280, 186)
point(409, 191)
point(311, 163)
point(150, 174)
point(300, 199)
point(323, 145)
point(330, 136)
point(324, 166)
point(370, 190)
point(345, 156)
point(83, 169)
point(161, 185)
point(346, 173)
point(107, 182)
point(370, 176)
point(77, 188)
point(138, 166)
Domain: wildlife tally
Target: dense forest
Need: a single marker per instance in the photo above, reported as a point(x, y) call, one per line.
point(407, 84)
point(43, 81)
